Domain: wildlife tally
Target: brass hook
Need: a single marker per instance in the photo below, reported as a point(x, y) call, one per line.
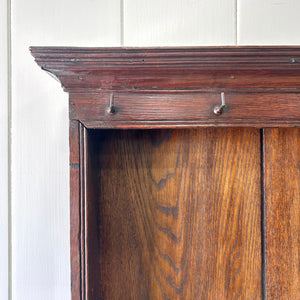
point(218, 110)
point(111, 109)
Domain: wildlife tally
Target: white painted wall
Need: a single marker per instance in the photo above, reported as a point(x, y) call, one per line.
point(40, 176)
point(3, 151)
point(179, 22)
point(268, 22)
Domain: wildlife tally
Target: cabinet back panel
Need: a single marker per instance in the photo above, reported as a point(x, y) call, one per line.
point(173, 214)
point(282, 212)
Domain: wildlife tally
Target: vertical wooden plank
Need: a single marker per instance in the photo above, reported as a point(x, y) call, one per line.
point(40, 154)
point(282, 213)
point(272, 22)
point(4, 250)
point(179, 22)
point(177, 214)
point(75, 211)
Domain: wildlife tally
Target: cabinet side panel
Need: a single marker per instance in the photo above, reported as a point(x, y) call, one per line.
point(282, 208)
point(178, 214)
point(75, 211)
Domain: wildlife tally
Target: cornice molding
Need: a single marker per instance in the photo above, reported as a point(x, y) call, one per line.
point(186, 68)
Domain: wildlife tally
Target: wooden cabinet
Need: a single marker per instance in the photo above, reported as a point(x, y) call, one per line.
point(170, 200)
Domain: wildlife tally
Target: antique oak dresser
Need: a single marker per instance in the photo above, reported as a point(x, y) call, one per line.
point(184, 171)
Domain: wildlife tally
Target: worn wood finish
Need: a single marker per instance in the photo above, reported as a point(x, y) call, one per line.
point(246, 57)
point(282, 213)
point(189, 68)
point(173, 86)
point(75, 210)
point(173, 108)
point(181, 213)
point(175, 214)
point(78, 216)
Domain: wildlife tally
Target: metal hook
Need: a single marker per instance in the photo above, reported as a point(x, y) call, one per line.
point(218, 110)
point(111, 109)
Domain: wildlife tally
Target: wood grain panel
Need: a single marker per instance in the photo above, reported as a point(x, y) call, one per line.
point(75, 211)
point(165, 108)
point(189, 68)
point(282, 213)
point(176, 214)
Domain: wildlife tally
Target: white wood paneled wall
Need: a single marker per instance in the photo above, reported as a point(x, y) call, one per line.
point(268, 22)
point(4, 213)
point(179, 22)
point(40, 176)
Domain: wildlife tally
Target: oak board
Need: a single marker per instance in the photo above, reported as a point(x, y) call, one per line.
point(282, 213)
point(174, 214)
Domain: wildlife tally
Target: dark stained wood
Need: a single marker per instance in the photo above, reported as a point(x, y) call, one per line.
point(220, 57)
point(83, 152)
point(74, 143)
point(91, 217)
point(282, 213)
point(75, 212)
point(178, 79)
point(172, 68)
point(196, 109)
point(172, 86)
point(175, 213)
